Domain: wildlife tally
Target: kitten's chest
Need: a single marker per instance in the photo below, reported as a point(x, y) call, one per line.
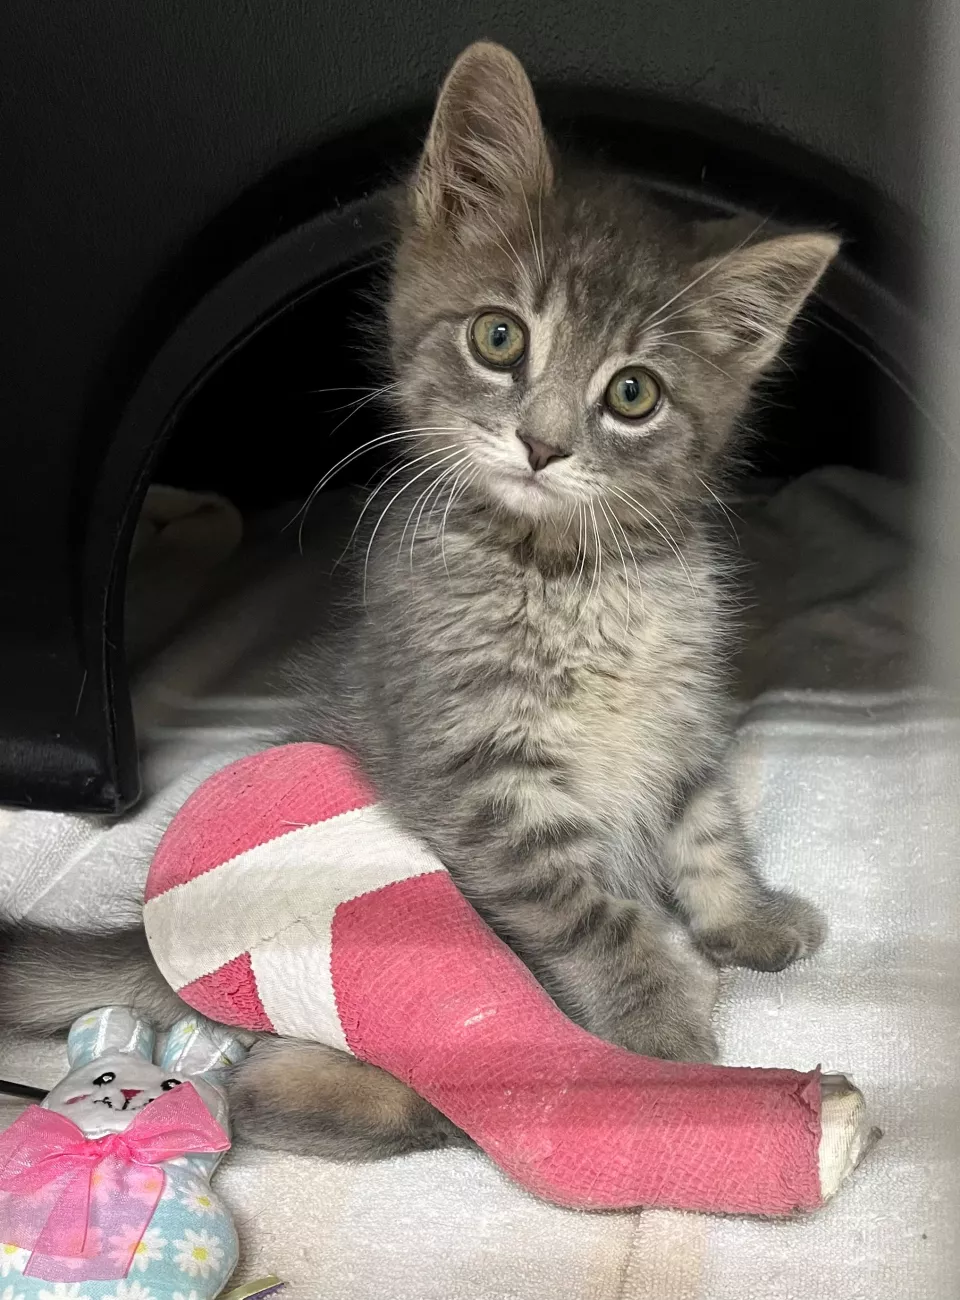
point(604, 679)
point(608, 680)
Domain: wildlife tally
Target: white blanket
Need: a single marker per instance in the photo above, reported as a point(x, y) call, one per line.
point(849, 772)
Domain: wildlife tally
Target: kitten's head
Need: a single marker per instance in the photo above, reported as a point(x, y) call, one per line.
point(559, 340)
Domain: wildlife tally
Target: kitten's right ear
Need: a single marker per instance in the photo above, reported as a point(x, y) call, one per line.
point(755, 290)
point(486, 143)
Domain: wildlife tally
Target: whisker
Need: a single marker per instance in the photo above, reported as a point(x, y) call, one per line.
point(435, 487)
point(454, 469)
point(382, 439)
point(358, 403)
point(428, 489)
point(421, 501)
point(395, 435)
point(520, 264)
point(341, 388)
point(714, 266)
point(404, 463)
point(510, 250)
point(636, 566)
point(687, 306)
point(675, 334)
point(301, 514)
point(396, 496)
point(446, 513)
point(581, 542)
point(706, 360)
point(468, 481)
point(598, 557)
point(663, 532)
point(633, 557)
point(723, 506)
point(533, 237)
point(623, 561)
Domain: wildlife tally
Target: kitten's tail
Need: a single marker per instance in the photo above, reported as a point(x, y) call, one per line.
point(50, 977)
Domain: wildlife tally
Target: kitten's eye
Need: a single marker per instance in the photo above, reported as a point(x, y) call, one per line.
point(101, 1080)
point(169, 1084)
point(498, 339)
point(633, 394)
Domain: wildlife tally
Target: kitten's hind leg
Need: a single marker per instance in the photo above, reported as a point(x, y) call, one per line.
point(314, 1100)
point(735, 917)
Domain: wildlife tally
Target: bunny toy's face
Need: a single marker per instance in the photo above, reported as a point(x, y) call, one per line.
point(105, 1095)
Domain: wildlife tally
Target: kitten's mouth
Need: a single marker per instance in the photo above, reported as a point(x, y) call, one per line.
point(533, 497)
point(530, 481)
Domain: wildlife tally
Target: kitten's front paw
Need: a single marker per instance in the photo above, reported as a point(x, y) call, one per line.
point(674, 1021)
point(780, 930)
point(671, 1040)
point(693, 1041)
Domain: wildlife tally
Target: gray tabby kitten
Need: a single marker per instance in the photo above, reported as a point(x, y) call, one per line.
point(536, 685)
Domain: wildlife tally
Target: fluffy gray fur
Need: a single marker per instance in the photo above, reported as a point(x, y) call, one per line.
point(535, 683)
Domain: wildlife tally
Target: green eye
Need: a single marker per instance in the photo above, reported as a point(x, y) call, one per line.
point(498, 339)
point(633, 394)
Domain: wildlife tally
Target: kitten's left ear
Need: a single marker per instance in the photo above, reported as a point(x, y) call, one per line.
point(751, 295)
point(486, 144)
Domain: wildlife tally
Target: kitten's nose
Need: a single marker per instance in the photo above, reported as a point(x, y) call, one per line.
point(131, 1092)
point(540, 453)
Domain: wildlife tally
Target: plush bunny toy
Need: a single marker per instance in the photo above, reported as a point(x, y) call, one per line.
point(104, 1188)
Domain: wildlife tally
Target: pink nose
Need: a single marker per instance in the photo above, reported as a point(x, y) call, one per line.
point(540, 454)
point(131, 1092)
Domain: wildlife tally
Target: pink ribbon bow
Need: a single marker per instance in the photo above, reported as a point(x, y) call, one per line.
point(88, 1201)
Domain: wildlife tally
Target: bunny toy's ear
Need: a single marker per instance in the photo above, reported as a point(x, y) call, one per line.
point(197, 1046)
point(109, 1029)
point(202, 1051)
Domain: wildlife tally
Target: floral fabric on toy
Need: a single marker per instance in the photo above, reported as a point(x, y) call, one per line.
point(104, 1188)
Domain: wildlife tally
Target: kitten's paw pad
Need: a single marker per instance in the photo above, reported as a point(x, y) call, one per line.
point(782, 929)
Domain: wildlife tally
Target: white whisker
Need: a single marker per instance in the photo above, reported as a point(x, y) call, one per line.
point(636, 566)
point(543, 256)
point(436, 487)
point(382, 439)
point(383, 514)
point(581, 542)
point(706, 360)
point(662, 531)
point(623, 561)
point(446, 513)
point(723, 506)
point(421, 498)
point(358, 403)
point(686, 306)
point(518, 260)
point(342, 388)
point(533, 237)
point(598, 557)
point(713, 267)
point(404, 464)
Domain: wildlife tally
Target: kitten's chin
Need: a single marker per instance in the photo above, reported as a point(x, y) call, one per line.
point(529, 498)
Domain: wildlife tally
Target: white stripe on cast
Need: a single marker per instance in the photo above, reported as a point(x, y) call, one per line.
point(276, 902)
